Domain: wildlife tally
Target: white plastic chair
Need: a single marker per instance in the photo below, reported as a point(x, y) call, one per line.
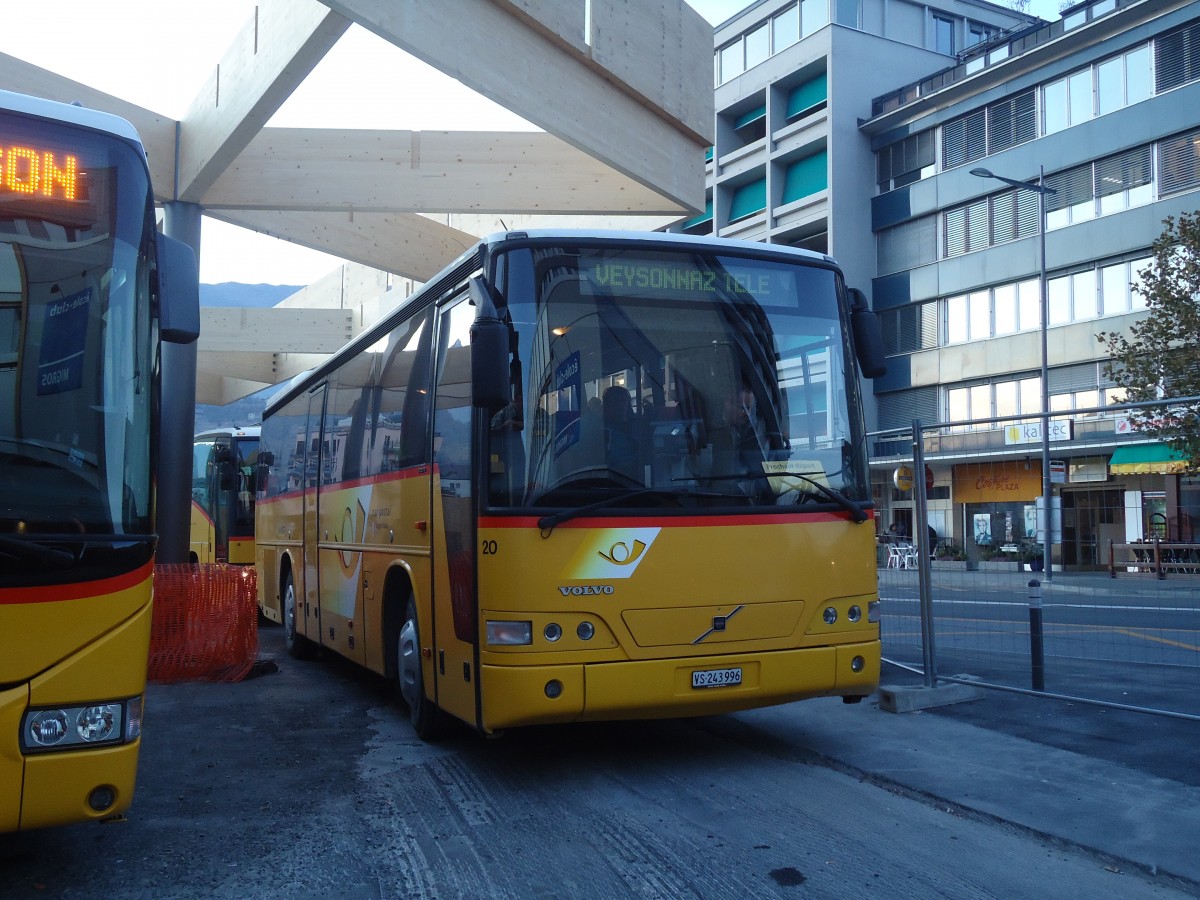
point(895, 557)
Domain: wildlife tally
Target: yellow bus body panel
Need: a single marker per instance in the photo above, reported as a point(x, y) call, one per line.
point(241, 551)
point(203, 535)
point(51, 788)
point(669, 597)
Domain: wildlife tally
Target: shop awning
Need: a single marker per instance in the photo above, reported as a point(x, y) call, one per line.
point(1146, 459)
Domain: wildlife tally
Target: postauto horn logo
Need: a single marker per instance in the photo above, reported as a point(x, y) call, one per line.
point(612, 553)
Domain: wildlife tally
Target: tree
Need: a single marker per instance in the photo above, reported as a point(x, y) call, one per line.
point(1159, 359)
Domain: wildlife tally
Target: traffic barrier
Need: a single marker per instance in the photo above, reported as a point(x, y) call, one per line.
point(205, 623)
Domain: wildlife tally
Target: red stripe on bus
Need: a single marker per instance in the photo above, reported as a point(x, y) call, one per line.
point(56, 593)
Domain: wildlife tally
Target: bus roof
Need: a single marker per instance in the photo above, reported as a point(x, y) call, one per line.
point(70, 113)
point(667, 238)
point(467, 261)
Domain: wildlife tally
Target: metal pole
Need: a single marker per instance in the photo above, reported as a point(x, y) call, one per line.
point(1037, 659)
point(1047, 567)
point(921, 540)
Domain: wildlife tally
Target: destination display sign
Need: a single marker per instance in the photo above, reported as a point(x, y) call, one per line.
point(45, 179)
point(648, 276)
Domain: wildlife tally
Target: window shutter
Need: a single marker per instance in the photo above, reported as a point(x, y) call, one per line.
point(1124, 171)
point(1012, 122)
point(1179, 163)
point(897, 410)
point(964, 139)
point(1177, 57)
point(1071, 187)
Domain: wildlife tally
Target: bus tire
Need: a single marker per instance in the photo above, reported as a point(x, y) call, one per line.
point(297, 645)
point(424, 714)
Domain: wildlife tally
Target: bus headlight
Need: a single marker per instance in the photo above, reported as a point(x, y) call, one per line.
point(509, 634)
point(72, 727)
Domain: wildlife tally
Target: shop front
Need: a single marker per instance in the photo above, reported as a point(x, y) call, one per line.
point(997, 501)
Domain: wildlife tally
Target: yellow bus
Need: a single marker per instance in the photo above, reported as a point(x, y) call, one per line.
point(88, 289)
point(224, 466)
point(586, 476)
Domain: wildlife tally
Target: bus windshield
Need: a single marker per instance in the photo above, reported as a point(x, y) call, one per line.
point(75, 345)
point(673, 378)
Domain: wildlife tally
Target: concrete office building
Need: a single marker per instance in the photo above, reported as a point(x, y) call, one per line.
point(1105, 101)
point(887, 106)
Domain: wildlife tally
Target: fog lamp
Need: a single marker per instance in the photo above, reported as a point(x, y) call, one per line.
point(554, 689)
point(856, 664)
point(854, 613)
point(552, 632)
point(102, 798)
point(586, 631)
point(830, 615)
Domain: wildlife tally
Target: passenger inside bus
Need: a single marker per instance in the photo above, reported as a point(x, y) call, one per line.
point(620, 432)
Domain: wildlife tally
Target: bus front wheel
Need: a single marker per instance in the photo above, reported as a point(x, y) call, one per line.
point(423, 712)
point(297, 645)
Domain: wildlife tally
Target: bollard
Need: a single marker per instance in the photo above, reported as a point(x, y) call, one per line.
point(1036, 657)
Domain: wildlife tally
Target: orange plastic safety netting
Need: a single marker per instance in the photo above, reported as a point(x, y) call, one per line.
point(205, 624)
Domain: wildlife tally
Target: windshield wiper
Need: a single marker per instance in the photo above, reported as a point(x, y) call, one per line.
point(546, 523)
point(31, 552)
point(857, 513)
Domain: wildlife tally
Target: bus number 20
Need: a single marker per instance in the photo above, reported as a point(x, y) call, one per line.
point(489, 548)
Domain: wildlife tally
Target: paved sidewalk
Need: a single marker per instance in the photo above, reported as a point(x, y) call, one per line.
point(1084, 796)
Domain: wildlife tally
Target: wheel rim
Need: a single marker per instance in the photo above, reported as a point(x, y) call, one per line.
point(289, 613)
point(410, 665)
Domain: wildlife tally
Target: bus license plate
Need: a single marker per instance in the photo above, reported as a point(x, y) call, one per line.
point(716, 678)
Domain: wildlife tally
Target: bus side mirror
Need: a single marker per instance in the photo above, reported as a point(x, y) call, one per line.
point(178, 290)
point(868, 336)
point(489, 351)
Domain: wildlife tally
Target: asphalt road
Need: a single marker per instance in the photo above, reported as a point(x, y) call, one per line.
point(309, 783)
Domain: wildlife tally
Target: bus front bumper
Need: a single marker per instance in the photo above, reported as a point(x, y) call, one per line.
point(658, 689)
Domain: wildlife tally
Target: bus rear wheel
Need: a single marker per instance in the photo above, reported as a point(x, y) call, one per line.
point(298, 646)
point(424, 714)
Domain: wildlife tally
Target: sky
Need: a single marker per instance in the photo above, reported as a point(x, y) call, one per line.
point(186, 37)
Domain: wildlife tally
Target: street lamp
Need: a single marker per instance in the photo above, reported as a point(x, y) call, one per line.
point(1041, 190)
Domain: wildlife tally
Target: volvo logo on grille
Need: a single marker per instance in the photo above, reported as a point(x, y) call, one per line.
point(719, 623)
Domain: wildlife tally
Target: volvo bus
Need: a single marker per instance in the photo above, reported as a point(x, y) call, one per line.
point(224, 468)
point(584, 477)
point(88, 289)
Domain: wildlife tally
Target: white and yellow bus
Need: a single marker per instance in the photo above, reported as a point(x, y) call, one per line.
point(88, 290)
point(586, 476)
point(224, 466)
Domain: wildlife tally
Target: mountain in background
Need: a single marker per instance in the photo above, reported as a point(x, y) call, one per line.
point(231, 293)
point(248, 410)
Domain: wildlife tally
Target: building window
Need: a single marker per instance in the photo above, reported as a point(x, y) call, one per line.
point(805, 176)
point(905, 161)
point(748, 199)
point(785, 28)
point(814, 14)
point(1177, 57)
point(907, 245)
point(732, 61)
point(1179, 163)
point(758, 45)
point(943, 35)
point(847, 13)
point(806, 98)
point(909, 328)
point(996, 127)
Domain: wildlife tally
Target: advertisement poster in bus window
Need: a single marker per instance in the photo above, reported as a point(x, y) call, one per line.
point(64, 335)
point(568, 389)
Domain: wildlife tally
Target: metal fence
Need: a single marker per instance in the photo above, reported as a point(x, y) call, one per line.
point(962, 545)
